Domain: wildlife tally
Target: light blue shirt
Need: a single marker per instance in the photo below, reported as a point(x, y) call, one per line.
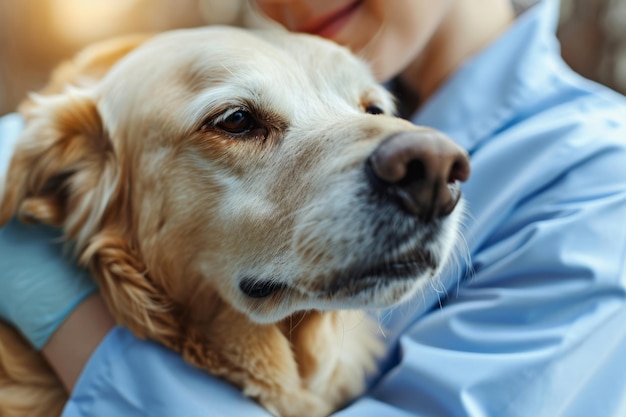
point(535, 325)
point(10, 127)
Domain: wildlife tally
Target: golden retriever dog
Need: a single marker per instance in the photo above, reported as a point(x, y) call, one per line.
point(240, 197)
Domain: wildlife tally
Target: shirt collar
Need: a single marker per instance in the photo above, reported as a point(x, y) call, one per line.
point(488, 90)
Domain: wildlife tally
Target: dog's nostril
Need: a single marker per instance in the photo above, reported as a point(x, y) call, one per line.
point(415, 171)
point(258, 288)
point(460, 169)
point(420, 171)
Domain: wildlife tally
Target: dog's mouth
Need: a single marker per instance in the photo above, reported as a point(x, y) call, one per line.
point(260, 288)
point(354, 279)
point(379, 274)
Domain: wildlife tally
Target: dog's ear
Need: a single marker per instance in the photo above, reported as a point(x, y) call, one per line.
point(63, 171)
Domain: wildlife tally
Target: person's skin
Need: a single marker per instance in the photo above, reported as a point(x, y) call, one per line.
point(70, 346)
point(420, 41)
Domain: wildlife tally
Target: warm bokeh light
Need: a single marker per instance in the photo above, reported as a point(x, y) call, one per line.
point(87, 20)
point(35, 35)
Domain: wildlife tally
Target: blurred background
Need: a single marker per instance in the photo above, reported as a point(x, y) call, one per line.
point(35, 35)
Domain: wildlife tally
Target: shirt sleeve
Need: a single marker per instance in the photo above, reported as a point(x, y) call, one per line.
point(127, 376)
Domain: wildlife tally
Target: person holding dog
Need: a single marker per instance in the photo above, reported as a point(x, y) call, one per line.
point(531, 324)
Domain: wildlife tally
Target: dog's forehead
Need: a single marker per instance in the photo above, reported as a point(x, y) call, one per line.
point(215, 54)
point(194, 70)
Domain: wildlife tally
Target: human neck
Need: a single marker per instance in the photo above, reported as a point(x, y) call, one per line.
point(468, 27)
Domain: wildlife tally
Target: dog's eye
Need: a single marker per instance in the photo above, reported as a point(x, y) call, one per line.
point(238, 123)
point(374, 109)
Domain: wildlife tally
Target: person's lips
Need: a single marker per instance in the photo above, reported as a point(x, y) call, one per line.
point(331, 23)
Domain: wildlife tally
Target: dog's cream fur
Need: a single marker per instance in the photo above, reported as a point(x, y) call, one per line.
point(173, 208)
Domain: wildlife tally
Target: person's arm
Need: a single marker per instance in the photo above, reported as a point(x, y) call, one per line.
point(72, 344)
point(539, 331)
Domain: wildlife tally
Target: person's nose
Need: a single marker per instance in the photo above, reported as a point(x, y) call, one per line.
point(420, 172)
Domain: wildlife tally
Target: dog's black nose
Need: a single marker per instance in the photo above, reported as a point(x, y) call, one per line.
point(419, 170)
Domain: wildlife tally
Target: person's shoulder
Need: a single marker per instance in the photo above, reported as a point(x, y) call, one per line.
point(568, 124)
point(576, 111)
point(593, 101)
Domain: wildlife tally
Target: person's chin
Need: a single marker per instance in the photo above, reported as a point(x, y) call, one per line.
point(358, 34)
point(372, 49)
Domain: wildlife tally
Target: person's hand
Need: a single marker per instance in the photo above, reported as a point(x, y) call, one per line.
point(39, 284)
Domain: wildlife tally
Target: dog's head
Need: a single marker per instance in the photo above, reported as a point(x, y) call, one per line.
point(263, 169)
